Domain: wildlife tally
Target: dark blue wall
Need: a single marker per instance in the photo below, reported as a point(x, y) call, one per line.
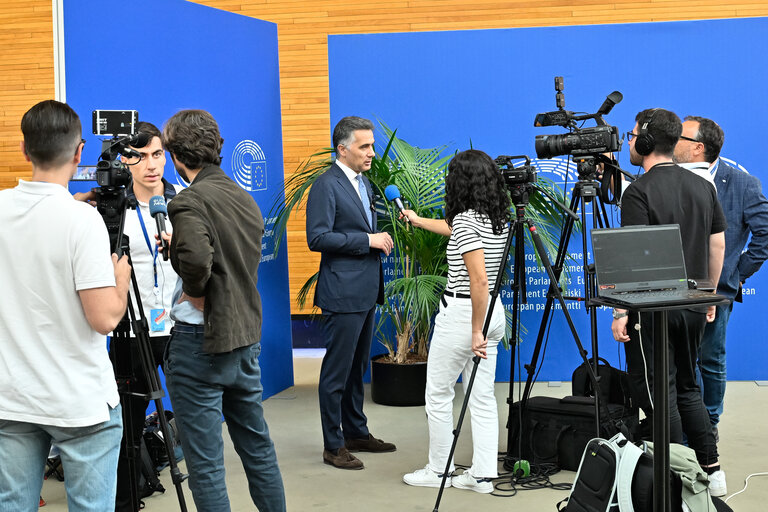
point(161, 56)
point(484, 87)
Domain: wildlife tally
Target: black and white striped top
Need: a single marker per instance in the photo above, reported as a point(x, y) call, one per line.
point(471, 232)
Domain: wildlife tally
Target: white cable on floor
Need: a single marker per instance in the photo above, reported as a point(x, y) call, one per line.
point(746, 483)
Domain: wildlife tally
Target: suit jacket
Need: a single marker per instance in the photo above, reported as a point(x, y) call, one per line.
point(351, 278)
point(746, 210)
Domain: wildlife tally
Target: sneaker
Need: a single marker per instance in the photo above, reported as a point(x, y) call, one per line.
point(717, 486)
point(467, 481)
point(425, 477)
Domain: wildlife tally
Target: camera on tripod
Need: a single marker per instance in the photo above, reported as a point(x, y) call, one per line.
point(593, 141)
point(519, 180)
point(112, 175)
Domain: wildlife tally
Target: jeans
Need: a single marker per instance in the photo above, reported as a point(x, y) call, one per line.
point(450, 355)
point(202, 387)
point(687, 414)
point(711, 368)
point(88, 457)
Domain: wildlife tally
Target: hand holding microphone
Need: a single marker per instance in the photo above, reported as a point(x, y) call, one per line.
point(159, 211)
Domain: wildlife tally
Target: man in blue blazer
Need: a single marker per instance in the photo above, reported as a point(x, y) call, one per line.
point(341, 225)
point(746, 211)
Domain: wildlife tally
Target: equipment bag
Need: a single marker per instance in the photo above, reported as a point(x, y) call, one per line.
point(614, 384)
point(556, 430)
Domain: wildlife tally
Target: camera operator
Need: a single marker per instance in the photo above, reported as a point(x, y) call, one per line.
point(211, 362)
point(477, 208)
point(746, 210)
point(669, 194)
point(156, 279)
point(61, 295)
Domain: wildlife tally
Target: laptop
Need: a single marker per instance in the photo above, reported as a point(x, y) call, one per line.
point(643, 266)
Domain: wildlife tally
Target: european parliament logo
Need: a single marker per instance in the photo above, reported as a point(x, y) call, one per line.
point(563, 169)
point(249, 166)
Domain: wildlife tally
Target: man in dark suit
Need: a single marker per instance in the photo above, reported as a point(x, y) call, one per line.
point(746, 210)
point(341, 225)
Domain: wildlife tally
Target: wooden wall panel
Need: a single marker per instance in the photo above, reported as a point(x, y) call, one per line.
point(26, 60)
point(26, 76)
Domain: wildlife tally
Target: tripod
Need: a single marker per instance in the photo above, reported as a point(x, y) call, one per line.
point(584, 191)
point(520, 193)
point(111, 205)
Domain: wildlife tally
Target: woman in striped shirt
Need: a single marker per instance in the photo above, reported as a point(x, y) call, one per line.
point(477, 210)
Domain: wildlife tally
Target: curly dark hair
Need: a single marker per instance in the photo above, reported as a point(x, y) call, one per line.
point(474, 182)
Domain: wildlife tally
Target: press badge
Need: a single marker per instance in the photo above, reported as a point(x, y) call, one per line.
point(157, 320)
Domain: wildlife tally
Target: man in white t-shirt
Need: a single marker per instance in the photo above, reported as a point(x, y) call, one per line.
point(61, 295)
point(156, 280)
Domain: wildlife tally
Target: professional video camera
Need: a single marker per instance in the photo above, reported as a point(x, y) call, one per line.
point(112, 175)
point(596, 140)
point(519, 180)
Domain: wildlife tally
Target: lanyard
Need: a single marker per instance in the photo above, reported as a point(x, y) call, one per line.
point(149, 244)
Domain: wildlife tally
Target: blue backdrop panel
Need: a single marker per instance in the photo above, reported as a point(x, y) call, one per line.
point(483, 88)
point(190, 56)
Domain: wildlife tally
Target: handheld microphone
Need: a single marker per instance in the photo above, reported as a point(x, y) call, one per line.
point(392, 193)
point(158, 210)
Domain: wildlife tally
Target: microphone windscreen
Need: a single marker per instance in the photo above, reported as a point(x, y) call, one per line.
point(157, 205)
point(391, 192)
point(140, 140)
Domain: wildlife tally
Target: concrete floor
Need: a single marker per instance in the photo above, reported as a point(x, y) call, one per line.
point(294, 422)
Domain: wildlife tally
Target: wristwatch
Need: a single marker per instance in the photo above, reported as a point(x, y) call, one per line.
point(617, 314)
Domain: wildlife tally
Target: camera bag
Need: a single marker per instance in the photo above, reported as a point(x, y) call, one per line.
point(614, 383)
point(556, 430)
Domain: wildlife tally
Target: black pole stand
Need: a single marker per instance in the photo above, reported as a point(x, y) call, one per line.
point(123, 359)
point(585, 190)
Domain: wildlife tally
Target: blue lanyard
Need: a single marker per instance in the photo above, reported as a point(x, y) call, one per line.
point(149, 244)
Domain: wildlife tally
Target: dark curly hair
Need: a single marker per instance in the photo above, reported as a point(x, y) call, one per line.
point(474, 182)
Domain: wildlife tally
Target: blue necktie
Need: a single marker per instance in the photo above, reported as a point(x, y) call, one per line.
point(364, 199)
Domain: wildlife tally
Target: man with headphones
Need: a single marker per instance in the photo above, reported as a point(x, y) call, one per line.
point(669, 194)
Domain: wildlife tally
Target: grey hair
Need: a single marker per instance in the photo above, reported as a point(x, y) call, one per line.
point(344, 132)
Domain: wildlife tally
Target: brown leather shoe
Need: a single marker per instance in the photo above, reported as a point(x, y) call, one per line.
point(342, 460)
point(369, 444)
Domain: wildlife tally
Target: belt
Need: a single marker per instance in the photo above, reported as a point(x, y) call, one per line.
point(457, 295)
point(188, 328)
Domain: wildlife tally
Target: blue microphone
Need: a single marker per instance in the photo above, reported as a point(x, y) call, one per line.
point(392, 193)
point(159, 211)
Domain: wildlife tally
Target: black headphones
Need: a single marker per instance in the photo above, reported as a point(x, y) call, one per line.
point(644, 142)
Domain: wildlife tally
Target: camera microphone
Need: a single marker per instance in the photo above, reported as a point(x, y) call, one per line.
point(158, 210)
point(392, 193)
point(138, 140)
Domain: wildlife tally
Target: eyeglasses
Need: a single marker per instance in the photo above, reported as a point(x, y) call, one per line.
point(631, 135)
point(689, 139)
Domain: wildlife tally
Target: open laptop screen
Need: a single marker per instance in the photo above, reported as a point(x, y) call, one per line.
point(638, 254)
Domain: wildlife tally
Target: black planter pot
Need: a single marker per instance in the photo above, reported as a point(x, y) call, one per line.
point(398, 384)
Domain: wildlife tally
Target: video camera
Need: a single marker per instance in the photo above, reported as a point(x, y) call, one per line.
point(112, 175)
point(519, 180)
point(596, 140)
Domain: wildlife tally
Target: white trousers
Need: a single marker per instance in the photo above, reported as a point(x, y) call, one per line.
point(450, 355)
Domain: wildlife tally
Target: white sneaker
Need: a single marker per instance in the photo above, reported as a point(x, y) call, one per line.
point(425, 477)
point(467, 481)
point(717, 484)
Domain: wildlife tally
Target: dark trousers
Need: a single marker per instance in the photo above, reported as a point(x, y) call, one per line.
point(135, 408)
point(687, 413)
point(348, 349)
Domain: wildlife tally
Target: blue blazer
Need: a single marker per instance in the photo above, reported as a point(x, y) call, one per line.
point(351, 278)
point(746, 210)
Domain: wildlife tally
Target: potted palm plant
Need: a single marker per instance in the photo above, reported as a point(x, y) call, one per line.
point(416, 270)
